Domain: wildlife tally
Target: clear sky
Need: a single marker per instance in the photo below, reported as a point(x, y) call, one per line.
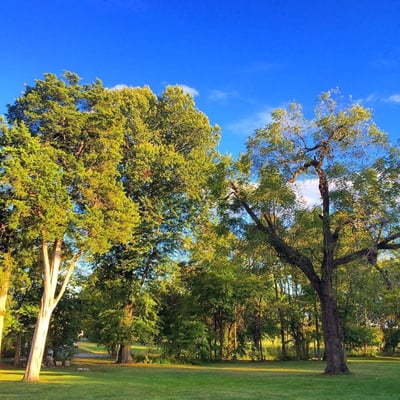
point(239, 58)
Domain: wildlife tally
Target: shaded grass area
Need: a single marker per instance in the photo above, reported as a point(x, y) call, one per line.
point(370, 379)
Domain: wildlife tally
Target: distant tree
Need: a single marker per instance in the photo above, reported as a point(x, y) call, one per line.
point(357, 175)
point(119, 306)
point(183, 332)
point(60, 159)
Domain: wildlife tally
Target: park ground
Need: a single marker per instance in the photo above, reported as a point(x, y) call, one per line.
point(94, 376)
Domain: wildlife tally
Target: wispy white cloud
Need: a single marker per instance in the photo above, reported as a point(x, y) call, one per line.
point(394, 98)
point(369, 99)
point(373, 97)
point(386, 63)
point(262, 67)
point(189, 90)
point(307, 192)
point(221, 96)
point(248, 125)
point(119, 86)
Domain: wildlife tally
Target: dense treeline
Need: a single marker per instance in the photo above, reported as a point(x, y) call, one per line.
point(120, 219)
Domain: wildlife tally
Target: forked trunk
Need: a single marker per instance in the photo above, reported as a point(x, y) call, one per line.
point(49, 301)
point(334, 352)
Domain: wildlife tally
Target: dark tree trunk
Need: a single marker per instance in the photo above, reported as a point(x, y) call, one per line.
point(18, 349)
point(281, 322)
point(317, 332)
point(124, 354)
point(334, 353)
point(259, 329)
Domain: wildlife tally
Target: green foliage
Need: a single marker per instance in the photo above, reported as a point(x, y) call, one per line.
point(66, 322)
point(351, 163)
point(168, 155)
point(133, 181)
point(60, 160)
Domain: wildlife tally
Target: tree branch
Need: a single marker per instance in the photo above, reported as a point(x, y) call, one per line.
point(367, 251)
point(304, 167)
point(284, 251)
point(46, 265)
point(67, 277)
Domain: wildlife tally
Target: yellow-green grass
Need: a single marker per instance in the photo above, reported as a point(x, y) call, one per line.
point(370, 379)
point(91, 348)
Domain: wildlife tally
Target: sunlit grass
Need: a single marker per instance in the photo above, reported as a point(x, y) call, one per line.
point(90, 347)
point(370, 379)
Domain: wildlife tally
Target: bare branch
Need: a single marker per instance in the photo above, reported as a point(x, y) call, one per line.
point(67, 276)
point(367, 251)
point(385, 276)
point(303, 168)
point(46, 265)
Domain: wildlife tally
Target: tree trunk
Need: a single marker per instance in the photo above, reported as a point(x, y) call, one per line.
point(281, 322)
point(235, 339)
point(124, 351)
point(317, 334)
point(18, 349)
point(5, 276)
point(38, 343)
point(259, 329)
point(335, 358)
point(124, 354)
point(51, 267)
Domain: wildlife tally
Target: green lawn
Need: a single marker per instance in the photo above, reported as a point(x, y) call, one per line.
point(370, 379)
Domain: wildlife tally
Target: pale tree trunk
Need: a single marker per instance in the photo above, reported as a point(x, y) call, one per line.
point(39, 341)
point(5, 277)
point(49, 301)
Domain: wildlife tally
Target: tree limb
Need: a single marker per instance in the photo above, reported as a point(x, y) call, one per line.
point(46, 265)
point(284, 251)
point(304, 167)
point(366, 252)
point(67, 276)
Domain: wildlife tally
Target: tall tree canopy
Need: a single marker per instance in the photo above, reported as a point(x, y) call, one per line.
point(60, 160)
point(168, 157)
point(356, 172)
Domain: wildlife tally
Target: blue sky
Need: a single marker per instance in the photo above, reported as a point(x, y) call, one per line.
point(240, 59)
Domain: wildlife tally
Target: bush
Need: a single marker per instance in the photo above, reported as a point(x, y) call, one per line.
point(65, 352)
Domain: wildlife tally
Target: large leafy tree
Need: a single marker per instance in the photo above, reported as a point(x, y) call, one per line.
point(356, 172)
point(60, 158)
point(168, 156)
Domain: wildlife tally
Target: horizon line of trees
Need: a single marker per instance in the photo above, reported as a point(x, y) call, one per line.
point(183, 247)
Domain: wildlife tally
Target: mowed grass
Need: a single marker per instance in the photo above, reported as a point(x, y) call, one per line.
point(370, 379)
